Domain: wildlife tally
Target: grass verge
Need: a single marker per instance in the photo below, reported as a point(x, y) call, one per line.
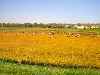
point(9, 68)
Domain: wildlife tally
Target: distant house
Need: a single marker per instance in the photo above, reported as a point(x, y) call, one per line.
point(82, 26)
point(86, 26)
point(94, 26)
point(67, 25)
point(79, 26)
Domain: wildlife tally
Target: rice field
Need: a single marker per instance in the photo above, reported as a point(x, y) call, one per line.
point(49, 47)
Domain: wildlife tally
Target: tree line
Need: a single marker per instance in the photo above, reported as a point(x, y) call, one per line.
point(41, 25)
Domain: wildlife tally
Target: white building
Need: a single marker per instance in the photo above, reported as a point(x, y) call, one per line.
point(94, 26)
point(79, 26)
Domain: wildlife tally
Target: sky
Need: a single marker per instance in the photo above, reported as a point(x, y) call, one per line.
point(50, 11)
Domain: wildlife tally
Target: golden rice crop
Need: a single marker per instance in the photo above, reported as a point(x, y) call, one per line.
point(48, 48)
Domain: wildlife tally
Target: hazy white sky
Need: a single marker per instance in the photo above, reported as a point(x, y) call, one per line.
point(64, 11)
